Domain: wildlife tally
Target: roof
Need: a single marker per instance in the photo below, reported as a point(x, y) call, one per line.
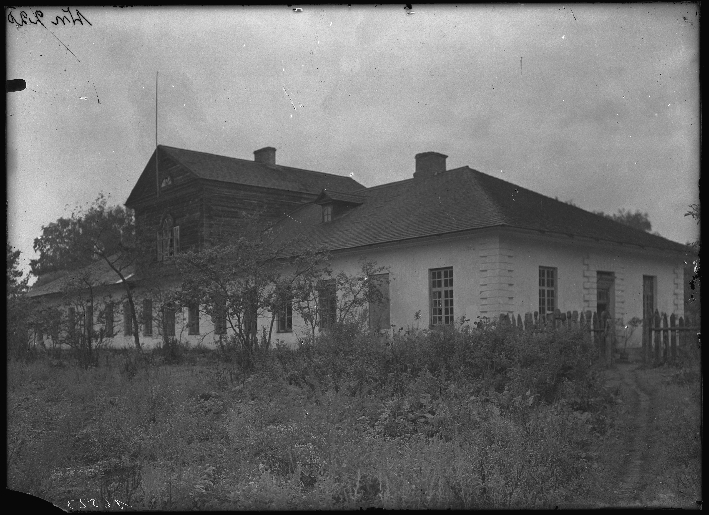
point(327, 196)
point(455, 200)
point(252, 173)
point(98, 273)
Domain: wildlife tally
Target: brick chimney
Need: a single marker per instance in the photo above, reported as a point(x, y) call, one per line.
point(429, 164)
point(266, 155)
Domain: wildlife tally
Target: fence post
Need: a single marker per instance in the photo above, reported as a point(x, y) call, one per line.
point(681, 337)
point(657, 333)
point(673, 338)
point(665, 339)
point(610, 340)
point(645, 339)
point(605, 338)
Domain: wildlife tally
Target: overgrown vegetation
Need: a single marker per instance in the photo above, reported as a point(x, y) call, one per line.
point(475, 417)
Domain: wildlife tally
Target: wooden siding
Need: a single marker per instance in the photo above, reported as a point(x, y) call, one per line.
point(226, 206)
point(144, 190)
point(184, 204)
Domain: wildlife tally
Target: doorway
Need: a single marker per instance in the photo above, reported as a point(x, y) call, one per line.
point(605, 293)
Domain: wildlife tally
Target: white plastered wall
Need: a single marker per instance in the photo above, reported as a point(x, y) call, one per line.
point(493, 273)
point(577, 264)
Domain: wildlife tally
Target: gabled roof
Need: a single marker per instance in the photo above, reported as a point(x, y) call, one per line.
point(251, 173)
point(455, 200)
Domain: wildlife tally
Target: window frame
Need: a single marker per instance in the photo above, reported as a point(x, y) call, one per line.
point(327, 304)
point(380, 281)
point(441, 307)
point(71, 321)
point(168, 238)
point(193, 318)
point(169, 321)
point(147, 317)
point(89, 319)
point(109, 319)
point(284, 317)
point(545, 289)
point(219, 317)
point(127, 319)
point(327, 210)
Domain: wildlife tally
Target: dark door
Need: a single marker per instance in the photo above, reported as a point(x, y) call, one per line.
point(648, 303)
point(648, 296)
point(605, 293)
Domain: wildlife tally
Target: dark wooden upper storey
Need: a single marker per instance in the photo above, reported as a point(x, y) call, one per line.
point(210, 197)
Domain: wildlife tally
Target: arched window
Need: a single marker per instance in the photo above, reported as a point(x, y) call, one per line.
point(168, 238)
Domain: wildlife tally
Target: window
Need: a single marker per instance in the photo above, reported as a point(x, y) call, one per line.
point(127, 319)
point(193, 318)
point(379, 311)
point(72, 322)
point(250, 311)
point(89, 319)
point(605, 293)
point(327, 304)
point(168, 320)
point(327, 213)
point(219, 316)
point(147, 317)
point(441, 296)
point(547, 290)
point(109, 319)
point(285, 317)
point(168, 239)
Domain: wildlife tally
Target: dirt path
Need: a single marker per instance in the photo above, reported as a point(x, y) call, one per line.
point(632, 479)
point(641, 478)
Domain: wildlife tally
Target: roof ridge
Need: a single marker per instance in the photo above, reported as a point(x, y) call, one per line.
point(283, 167)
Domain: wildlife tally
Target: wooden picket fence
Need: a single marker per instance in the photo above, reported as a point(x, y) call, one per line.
point(600, 327)
point(663, 342)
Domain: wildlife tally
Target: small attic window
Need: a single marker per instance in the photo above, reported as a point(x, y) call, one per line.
point(327, 213)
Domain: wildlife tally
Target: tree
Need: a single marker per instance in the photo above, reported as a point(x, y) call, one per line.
point(244, 279)
point(693, 267)
point(637, 220)
point(77, 330)
point(352, 293)
point(17, 304)
point(98, 233)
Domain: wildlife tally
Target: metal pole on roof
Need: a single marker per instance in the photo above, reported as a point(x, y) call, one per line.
point(157, 176)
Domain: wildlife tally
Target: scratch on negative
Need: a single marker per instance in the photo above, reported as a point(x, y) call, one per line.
point(55, 37)
point(289, 216)
point(97, 98)
point(291, 102)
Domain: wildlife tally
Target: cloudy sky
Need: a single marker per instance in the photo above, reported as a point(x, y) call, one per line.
point(596, 104)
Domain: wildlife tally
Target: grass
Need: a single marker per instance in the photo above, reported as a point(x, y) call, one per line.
point(490, 420)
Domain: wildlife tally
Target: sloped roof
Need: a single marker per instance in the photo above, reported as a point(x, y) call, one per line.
point(337, 196)
point(97, 273)
point(252, 173)
point(456, 200)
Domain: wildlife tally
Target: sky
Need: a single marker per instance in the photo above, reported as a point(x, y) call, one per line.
point(596, 104)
